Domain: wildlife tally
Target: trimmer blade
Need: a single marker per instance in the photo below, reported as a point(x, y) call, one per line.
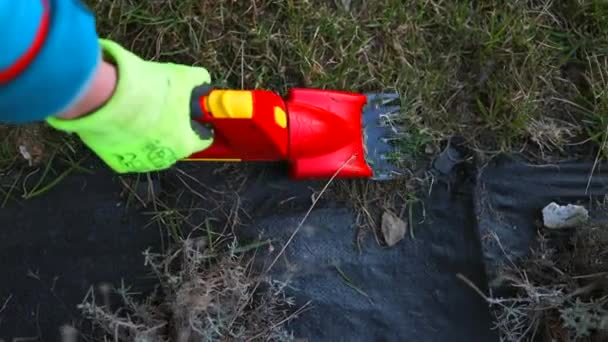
point(378, 130)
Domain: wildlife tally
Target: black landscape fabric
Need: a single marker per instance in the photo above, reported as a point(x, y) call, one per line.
point(511, 194)
point(54, 248)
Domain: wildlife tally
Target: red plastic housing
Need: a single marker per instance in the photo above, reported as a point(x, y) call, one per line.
point(323, 134)
point(257, 139)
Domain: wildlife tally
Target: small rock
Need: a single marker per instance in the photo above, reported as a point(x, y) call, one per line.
point(564, 216)
point(393, 228)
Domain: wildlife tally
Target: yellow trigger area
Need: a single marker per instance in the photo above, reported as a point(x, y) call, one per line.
point(230, 104)
point(280, 117)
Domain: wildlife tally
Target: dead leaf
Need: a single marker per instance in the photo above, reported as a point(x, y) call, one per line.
point(393, 228)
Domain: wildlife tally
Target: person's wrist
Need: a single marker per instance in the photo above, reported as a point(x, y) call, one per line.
point(98, 93)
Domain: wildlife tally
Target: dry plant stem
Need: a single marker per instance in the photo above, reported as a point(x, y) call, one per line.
point(5, 304)
point(314, 203)
point(295, 232)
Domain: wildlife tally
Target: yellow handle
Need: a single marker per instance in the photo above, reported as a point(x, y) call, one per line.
point(230, 104)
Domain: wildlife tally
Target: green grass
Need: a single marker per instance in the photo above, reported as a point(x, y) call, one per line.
point(34, 159)
point(506, 75)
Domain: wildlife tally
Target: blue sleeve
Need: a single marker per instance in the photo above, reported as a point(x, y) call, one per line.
point(62, 66)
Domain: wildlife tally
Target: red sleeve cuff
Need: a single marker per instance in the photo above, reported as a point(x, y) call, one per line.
point(12, 71)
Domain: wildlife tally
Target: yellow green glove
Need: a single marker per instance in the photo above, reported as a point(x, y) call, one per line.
point(146, 125)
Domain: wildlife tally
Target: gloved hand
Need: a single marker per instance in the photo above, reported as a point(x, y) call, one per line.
point(146, 125)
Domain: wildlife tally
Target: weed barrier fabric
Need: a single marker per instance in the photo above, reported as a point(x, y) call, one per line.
point(54, 248)
point(408, 292)
point(511, 194)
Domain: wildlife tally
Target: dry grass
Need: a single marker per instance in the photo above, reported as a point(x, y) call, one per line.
point(208, 290)
point(371, 199)
point(204, 295)
point(559, 292)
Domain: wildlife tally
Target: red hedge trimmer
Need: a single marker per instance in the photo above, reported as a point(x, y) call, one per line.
point(319, 133)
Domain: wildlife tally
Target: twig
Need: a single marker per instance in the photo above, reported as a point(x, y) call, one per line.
point(597, 158)
point(295, 232)
point(10, 190)
point(158, 326)
point(411, 221)
point(293, 315)
point(243, 64)
point(6, 303)
point(251, 246)
point(133, 192)
point(26, 339)
point(314, 203)
point(350, 283)
point(502, 248)
point(593, 275)
point(287, 319)
point(192, 190)
point(473, 286)
point(198, 182)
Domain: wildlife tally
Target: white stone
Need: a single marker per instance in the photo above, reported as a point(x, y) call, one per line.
point(564, 216)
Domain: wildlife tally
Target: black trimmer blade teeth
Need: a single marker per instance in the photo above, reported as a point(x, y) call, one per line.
point(377, 133)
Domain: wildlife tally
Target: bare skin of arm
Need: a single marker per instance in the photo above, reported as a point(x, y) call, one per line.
point(99, 92)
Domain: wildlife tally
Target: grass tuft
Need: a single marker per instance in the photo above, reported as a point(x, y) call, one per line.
point(489, 71)
point(202, 297)
point(558, 293)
